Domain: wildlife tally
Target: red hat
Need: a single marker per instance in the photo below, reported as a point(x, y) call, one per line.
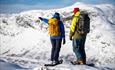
point(75, 10)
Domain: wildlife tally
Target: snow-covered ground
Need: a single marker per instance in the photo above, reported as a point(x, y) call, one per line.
point(10, 66)
point(26, 43)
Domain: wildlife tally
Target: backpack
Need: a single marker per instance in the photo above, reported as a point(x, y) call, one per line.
point(83, 25)
point(54, 28)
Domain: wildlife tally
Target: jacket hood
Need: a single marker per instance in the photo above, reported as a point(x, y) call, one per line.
point(56, 15)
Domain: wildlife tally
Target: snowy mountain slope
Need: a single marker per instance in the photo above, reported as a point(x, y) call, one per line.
point(26, 42)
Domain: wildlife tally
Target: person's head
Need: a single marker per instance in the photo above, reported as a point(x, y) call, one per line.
point(75, 10)
point(56, 15)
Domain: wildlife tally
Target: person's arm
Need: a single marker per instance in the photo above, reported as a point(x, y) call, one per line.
point(73, 24)
point(74, 21)
point(44, 19)
point(73, 27)
point(71, 35)
point(62, 29)
point(67, 18)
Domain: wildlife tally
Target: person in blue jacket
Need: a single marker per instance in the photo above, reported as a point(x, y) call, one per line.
point(56, 40)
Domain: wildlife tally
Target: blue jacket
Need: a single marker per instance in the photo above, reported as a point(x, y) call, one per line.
point(61, 29)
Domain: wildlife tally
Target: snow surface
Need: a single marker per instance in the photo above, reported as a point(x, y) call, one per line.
point(26, 42)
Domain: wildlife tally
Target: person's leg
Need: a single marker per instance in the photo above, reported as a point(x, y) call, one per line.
point(53, 42)
point(82, 49)
point(76, 46)
point(57, 49)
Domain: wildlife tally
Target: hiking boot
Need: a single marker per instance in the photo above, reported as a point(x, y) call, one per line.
point(81, 62)
point(59, 61)
point(78, 62)
point(84, 61)
point(53, 63)
point(56, 62)
point(75, 62)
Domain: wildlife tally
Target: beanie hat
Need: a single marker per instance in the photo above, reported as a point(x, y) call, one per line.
point(56, 15)
point(75, 10)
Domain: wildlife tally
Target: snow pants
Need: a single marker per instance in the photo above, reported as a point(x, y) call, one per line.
point(79, 48)
point(56, 46)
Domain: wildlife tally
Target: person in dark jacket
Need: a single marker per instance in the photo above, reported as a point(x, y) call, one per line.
point(56, 40)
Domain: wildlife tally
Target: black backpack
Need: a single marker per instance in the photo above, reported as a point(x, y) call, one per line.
point(83, 25)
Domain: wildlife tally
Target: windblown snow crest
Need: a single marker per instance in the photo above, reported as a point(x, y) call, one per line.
point(25, 40)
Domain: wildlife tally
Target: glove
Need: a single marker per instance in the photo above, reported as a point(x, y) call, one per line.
point(40, 18)
point(70, 38)
point(64, 41)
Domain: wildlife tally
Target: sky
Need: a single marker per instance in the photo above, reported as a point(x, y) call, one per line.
point(13, 6)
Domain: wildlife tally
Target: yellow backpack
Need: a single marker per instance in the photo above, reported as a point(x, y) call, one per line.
point(54, 28)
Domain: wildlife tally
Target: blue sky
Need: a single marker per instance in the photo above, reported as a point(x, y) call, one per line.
point(37, 2)
point(13, 6)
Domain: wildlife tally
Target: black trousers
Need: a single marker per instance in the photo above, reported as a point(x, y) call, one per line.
point(56, 46)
